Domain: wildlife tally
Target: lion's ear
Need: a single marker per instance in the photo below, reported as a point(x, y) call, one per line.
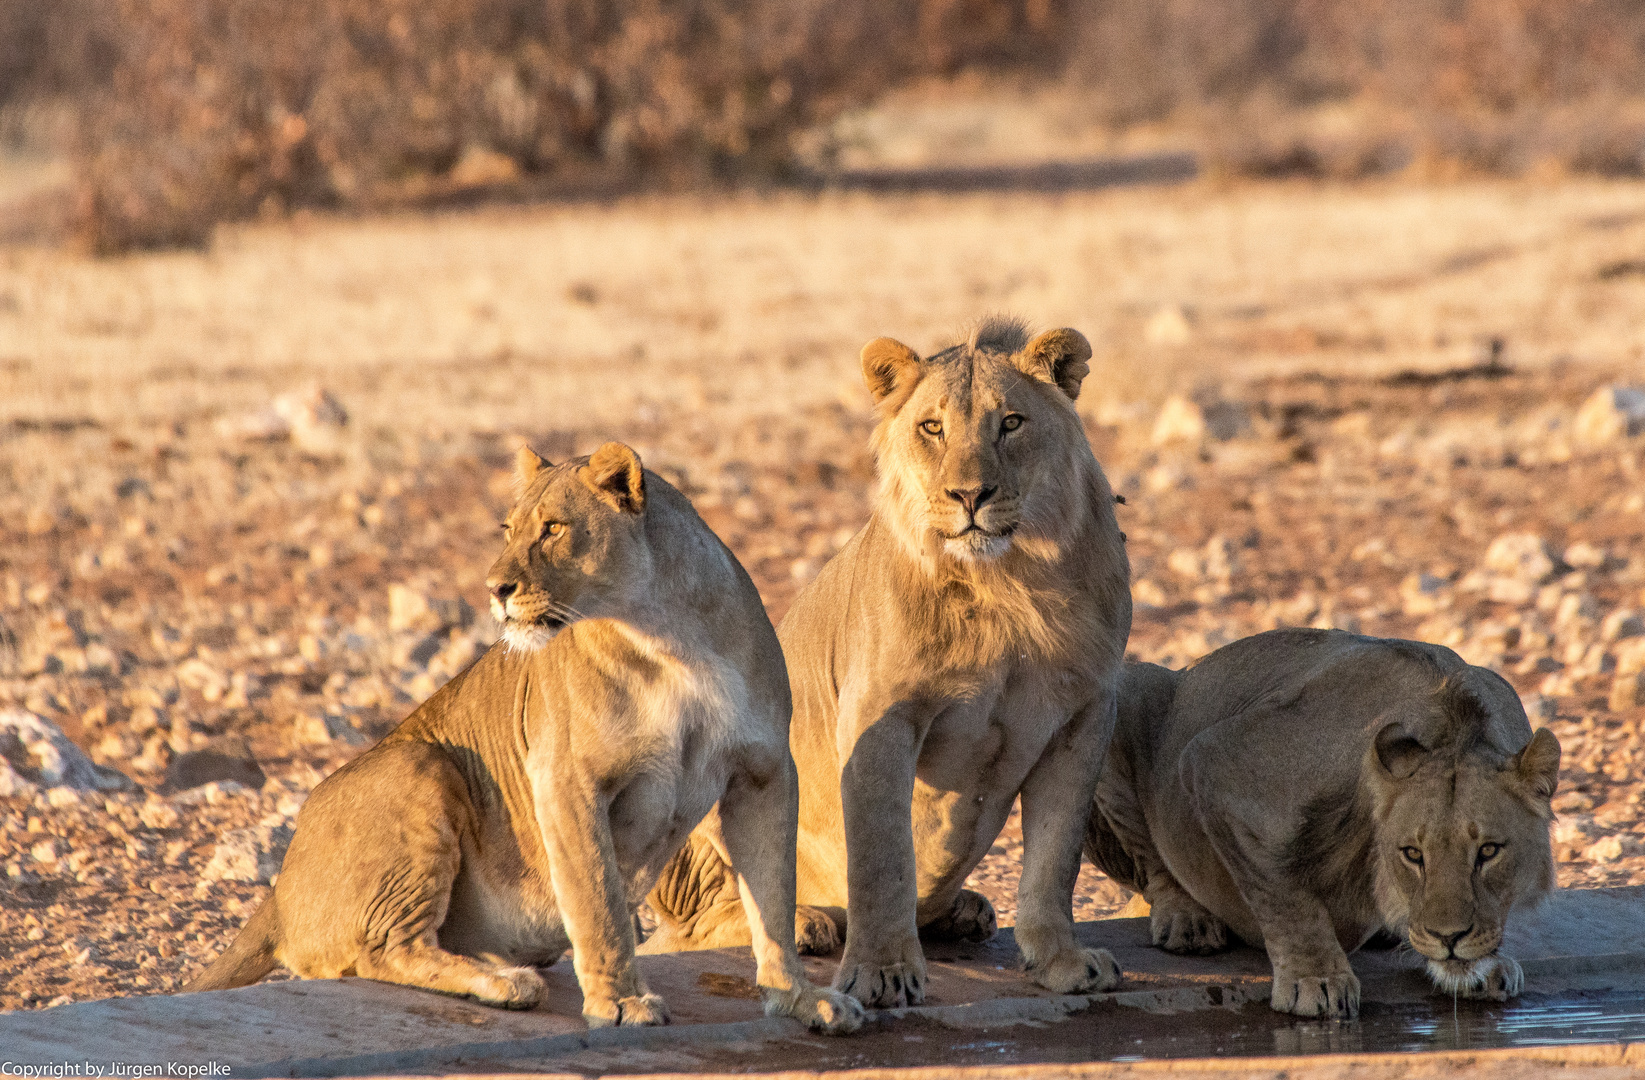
point(615, 474)
point(888, 366)
point(1397, 752)
point(1537, 765)
point(527, 464)
point(1061, 357)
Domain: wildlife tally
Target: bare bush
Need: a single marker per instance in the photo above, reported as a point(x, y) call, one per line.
point(1486, 85)
point(219, 108)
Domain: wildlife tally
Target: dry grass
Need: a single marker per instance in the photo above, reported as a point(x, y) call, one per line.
point(503, 320)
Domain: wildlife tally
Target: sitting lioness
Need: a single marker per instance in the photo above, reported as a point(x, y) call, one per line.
point(529, 805)
point(1311, 789)
point(962, 649)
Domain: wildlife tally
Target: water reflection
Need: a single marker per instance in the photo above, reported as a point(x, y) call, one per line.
point(1534, 1020)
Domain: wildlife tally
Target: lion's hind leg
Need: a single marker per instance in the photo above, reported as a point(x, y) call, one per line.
point(698, 906)
point(429, 967)
point(365, 892)
point(970, 919)
point(1177, 922)
point(404, 946)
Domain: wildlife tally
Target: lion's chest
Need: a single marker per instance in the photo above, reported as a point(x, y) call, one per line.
point(997, 728)
point(974, 759)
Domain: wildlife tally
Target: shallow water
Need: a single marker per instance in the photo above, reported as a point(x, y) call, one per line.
point(1110, 1032)
point(1436, 1024)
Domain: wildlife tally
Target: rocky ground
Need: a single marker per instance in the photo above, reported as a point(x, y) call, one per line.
point(243, 614)
point(1379, 407)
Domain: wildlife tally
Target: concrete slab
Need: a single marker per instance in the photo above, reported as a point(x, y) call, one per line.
point(1583, 952)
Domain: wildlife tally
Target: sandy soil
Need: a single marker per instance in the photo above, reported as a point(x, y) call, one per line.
point(191, 588)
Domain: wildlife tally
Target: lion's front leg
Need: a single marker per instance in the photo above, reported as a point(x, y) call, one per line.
point(1056, 801)
point(883, 965)
point(1312, 976)
point(759, 818)
point(593, 901)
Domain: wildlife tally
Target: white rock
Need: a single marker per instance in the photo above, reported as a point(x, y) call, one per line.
point(211, 793)
point(157, 813)
point(1221, 559)
point(1423, 594)
point(1575, 610)
point(253, 854)
point(35, 751)
point(264, 425)
point(196, 674)
point(1626, 692)
point(312, 418)
point(1585, 556)
point(1169, 326)
point(411, 608)
point(1521, 556)
point(1606, 850)
point(1613, 413)
point(1622, 623)
point(1148, 593)
point(1180, 420)
point(316, 418)
point(455, 657)
point(1186, 562)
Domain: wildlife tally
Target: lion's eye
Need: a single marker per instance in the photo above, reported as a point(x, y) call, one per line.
point(1487, 852)
point(553, 529)
point(1412, 855)
point(1011, 423)
point(931, 427)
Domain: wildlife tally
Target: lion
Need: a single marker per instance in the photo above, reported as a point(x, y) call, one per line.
point(1312, 791)
point(529, 805)
point(963, 649)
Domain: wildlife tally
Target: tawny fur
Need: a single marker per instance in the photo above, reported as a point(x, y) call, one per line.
point(1306, 790)
point(963, 648)
point(529, 805)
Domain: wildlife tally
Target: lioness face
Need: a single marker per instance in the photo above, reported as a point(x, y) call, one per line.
point(972, 439)
point(574, 544)
point(1462, 840)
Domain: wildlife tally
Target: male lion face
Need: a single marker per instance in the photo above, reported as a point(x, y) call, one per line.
point(574, 543)
point(1463, 837)
point(971, 439)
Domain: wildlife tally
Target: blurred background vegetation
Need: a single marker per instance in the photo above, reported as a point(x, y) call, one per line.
point(179, 114)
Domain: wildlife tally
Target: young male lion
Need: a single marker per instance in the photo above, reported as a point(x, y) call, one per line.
point(529, 805)
point(962, 649)
point(1309, 789)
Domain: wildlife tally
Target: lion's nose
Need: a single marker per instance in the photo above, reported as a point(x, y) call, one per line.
point(502, 590)
point(1450, 940)
point(972, 498)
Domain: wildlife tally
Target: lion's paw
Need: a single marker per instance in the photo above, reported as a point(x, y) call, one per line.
point(894, 982)
point(1078, 971)
point(510, 988)
point(1495, 978)
point(970, 919)
point(644, 1010)
point(1332, 995)
point(819, 1009)
point(1189, 931)
point(815, 933)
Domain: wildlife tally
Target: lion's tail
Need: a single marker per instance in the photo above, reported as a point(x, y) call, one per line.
point(249, 958)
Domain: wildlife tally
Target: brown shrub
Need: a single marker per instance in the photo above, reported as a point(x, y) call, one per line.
point(220, 107)
point(1488, 85)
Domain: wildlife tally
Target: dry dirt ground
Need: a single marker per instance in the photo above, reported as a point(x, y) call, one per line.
point(1325, 406)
